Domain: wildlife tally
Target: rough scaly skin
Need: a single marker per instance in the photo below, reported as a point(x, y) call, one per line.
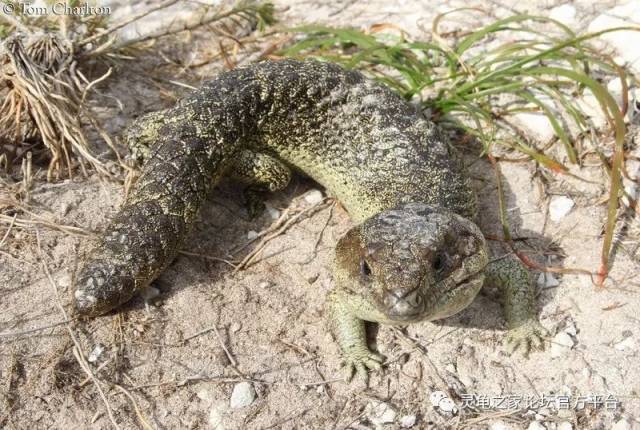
point(415, 254)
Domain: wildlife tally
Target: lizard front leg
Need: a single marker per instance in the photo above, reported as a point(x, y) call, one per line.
point(518, 292)
point(345, 313)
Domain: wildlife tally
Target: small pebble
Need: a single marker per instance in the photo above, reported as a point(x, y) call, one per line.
point(251, 234)
point(408, 421)
point(380, 413)
point(571, 329)
point(235, 327)
point(559, 207)
point(243, 395)
point(440, 400)
point(536, 425)
point(203, 395)
point(313, 197)
point(447, 405)
point(547, 280)
point(95, 354)
point(622, 424)
point(499, 425)
point(64, 281)
point(565, 425)
point(273, 212)
point(265, 284)
point(625, 345)
point(561, 344)
point(436, 396)
point(565, 13)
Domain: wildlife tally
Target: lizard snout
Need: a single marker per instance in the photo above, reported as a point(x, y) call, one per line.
point(403, 304)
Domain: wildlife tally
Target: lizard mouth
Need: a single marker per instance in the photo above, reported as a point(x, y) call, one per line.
point(419, 305)
point(457, 298)
point(406, 307)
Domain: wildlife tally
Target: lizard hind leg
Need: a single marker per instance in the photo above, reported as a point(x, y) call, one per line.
point(261, 173)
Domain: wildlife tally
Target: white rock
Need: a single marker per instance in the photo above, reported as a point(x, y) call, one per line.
point(380, 413)
point(243, 395)
point(235, 327)
point(64, 281)
point(622, 424)
point(149, 293)
point(631, 189)
point(591, 107)
point(627, 43)
point(559, 207)
point(561, 344)
point(436, 397)
point(571, 330)
point(627, 344)
point(565, 13)
point(537, 124)
point(203, 395)
point(440, 400)
point(265, 284)
point(499, 425)
point(536, 425)
point(216, 415)
point(313, 197)
point(408, 421)
point(95, 354)
point(252, 234)
point(547, 280)
point(273, 212)
point(447, 405)
point(614, 87)
point(565, 425)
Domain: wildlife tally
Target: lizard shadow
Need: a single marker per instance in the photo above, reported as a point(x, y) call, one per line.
point(222, 236)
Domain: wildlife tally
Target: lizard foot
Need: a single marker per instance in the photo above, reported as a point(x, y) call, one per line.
point(360, 363)
point(526, 337)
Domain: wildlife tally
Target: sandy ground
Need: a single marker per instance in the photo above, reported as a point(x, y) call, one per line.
point(205, 332)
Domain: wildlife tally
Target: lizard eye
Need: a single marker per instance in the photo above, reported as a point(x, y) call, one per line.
point(365, 269)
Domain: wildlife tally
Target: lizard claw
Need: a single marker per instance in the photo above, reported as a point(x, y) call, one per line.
point(360, 364)
point(526, 337)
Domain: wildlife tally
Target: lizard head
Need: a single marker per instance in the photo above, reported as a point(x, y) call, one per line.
point(413, 262)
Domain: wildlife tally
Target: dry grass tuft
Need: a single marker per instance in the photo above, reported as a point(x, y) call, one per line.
point(45, 79)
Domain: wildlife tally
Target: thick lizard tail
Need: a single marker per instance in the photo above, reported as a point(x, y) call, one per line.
point(191, 152)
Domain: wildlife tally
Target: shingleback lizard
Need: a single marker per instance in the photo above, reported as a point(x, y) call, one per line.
point(415, 253)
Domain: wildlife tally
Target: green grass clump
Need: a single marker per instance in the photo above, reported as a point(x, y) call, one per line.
point(465, 83)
